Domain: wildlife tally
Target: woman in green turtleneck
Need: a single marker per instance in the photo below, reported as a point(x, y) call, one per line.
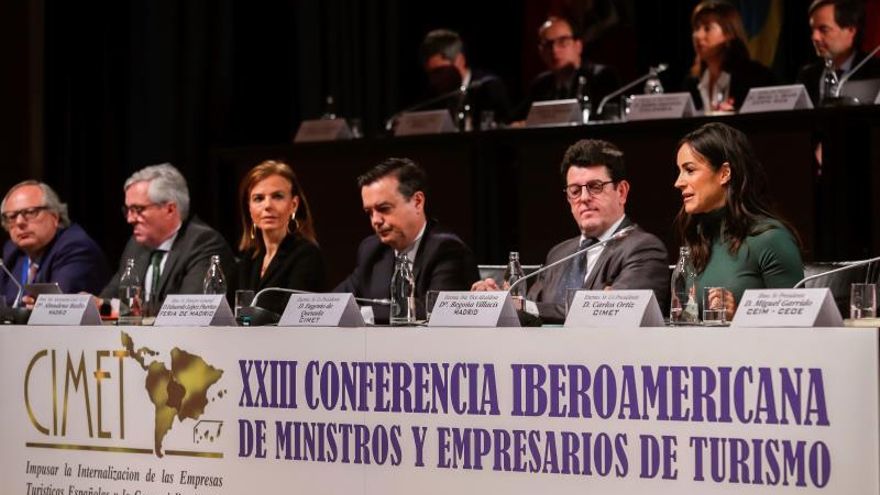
point(735, 239)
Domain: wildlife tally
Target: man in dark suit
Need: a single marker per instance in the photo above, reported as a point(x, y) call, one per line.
point(597, 190)
point(836, 27)
point(171, 251)
point(394, 196)
point(445, 63)
point(44, 246)
point(567, 75)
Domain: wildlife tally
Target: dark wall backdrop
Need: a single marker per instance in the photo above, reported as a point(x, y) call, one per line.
point(92, 91)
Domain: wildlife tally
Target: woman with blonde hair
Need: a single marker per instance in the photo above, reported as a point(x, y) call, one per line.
point(278, 244)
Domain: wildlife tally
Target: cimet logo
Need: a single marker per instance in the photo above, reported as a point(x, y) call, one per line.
point(75, 385)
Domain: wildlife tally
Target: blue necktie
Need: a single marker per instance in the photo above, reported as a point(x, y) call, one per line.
point(578, 272)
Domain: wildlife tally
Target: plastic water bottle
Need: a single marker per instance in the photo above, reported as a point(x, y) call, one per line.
point(512, 274)
point(130, 302)
point(653, 86)
point(583, 99)
point(830, 82)
point(683, 309)
point(403, 292)
point(215, 281)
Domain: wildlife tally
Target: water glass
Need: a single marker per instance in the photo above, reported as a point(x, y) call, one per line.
point(430, 300)
point(863, 301)
point(243, 298)
point(714, 308)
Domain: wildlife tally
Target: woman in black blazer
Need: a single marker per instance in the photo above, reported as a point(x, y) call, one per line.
point(723, 72)
point(278, 245)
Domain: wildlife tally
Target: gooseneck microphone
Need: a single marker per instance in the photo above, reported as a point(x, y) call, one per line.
point(848, 266)
point(461, 92)
point(652, 72)
point(620, 234)
point(14, 281)
point(855, 69)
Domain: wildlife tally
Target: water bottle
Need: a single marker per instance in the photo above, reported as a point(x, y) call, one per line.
point(329, 108)
point(403, 292)
point(684, 309)
point(830, 82)
point(583, 100)
point(512, 274)
point(215, 282)
point(130, 302)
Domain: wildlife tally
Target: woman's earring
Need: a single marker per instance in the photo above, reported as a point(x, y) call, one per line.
point(295, 222)
point(253, 231)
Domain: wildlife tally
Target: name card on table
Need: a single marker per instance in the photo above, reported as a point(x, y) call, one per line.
point(321, 310)
point(554, 112)
point(614, 309)
point(787, 308)
point(776, 98)
point(663, 106)
point(195, 310)
point(427, 122)
point(65, 309)
point(319, 130)
point(474, 309)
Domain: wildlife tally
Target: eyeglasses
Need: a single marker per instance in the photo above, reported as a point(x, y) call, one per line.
point(27, 214)
point(594, 187)
point(137, 210)
point(561, 41)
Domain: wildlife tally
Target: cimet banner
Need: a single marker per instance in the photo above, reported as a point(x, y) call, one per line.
point(174, 411)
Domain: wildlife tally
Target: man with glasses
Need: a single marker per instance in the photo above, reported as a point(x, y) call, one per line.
point(44, 246)
point(171, 250)
point(596, 189)
point(568, 76)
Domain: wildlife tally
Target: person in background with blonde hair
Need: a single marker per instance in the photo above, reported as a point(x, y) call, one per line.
point(278, 244)
point(723, 73)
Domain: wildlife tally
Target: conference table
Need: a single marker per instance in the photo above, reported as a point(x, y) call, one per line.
point(501, 190)
point(186, 410)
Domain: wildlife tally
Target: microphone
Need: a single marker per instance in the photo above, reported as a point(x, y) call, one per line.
point(620, 234)
point(17, 284)
point(852, 71)
point(848, 266)
point(461, 92)
point(652, 72)
point(365, 300)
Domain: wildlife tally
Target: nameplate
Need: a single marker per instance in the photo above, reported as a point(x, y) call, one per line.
point(64, 309)
point(195, 310)
point(315, 131)
point(787, 308)
point(663, 106)
point(427, 122)
point(474, 309)
point(776, 99)
point(554, 113)
point(614, 309)
point(321, 310)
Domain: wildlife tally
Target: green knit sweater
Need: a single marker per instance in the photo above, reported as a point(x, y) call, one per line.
point(768, 259)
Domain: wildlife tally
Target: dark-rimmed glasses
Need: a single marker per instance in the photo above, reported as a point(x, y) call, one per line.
point(28, 214)
point(594, 187)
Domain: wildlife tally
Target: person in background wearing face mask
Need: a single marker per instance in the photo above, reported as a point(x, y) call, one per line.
point(836, 27)
point(567, 75)
point(446, 66)
point(44, 246)
point(723, 72)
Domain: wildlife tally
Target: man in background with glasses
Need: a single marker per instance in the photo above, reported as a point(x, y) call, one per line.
point(567, 75)
point(596, 189)
point(44, 246)
point(171, 250)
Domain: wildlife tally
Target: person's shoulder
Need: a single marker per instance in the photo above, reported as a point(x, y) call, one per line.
point(809, 69)
point(564, 247)
point(75, 233)
point(770, 232)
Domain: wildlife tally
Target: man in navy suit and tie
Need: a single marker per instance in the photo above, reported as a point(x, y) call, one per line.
point(394, 196)
point(44, 246)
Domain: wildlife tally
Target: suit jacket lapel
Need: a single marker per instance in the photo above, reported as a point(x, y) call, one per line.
point(173, 258)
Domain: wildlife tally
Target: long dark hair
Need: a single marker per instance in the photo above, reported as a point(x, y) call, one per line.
point(304, 222)
point(747, 202)
point(735, 51)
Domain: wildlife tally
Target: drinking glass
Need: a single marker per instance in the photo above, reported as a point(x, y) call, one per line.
point(863, 301)
point(714, 309)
